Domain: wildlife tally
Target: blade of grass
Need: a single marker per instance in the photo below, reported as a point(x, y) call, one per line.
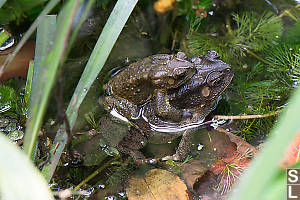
point(29, 81)
point(46, 80)
point(265, 167)
point(2, 2)
point(3, 36)
point(104, 45)
point(82, 18)
point(19, 178)
point(278, 188)
point(28, 33)
point(44, 42)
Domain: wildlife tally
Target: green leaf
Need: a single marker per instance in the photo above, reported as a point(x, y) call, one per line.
point(47, 76)
point(2, 2)
point(19, 179)
point(29, 81)
point(104, 45)
point(3, 36)
point(45, 34)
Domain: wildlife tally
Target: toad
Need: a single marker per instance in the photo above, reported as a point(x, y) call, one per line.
point(169, 111)
point(193, 100)
point(196, 98)
point(131, 88)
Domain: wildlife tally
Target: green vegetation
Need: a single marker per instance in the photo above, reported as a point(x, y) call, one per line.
point(253, 32)
point(263, 83)
point(262, 48)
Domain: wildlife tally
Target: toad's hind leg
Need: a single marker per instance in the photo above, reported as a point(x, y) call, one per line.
point(121, 108)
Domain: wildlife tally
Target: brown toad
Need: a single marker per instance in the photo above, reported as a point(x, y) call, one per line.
point(175, 111)
point(193, 101)
point(189, 104)
point(135, 85)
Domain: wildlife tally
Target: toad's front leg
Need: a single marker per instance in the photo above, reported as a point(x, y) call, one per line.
point(121, 108)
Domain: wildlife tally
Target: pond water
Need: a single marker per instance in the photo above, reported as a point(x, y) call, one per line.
point(257, 41)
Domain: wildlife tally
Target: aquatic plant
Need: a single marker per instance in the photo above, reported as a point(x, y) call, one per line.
point(191, 9)
point(90, 118)
point(268, 67)
point(229, 169)
point(52, 56)
point(7, 98)
point(253, 32)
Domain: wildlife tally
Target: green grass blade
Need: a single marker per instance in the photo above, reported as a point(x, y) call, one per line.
point(19, 179)
point(44, 42)
point(47, 78)
point(29, 81)
point(265, 167)
point(105, 43)
point(2, 2)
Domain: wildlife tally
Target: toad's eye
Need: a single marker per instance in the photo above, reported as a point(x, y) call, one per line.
point(213, 54)
point(195, 60)
point(181, 75)
point(214, 79)
point(179, 72)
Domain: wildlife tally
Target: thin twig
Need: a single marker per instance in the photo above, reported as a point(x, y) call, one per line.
point(259, 58)
point(95, 173)
point(217, 117)
point(288, 13)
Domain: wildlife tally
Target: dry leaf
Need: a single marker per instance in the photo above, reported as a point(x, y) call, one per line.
point(19, 65)
point(292, 153)
point(192, 171)
point(157, 184)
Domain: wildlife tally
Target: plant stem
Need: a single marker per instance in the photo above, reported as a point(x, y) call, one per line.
point(228, 26)
point(95, 173)
point(260, 58)
point(217, 117)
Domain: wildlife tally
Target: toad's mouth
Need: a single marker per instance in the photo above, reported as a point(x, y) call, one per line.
point(171, 127)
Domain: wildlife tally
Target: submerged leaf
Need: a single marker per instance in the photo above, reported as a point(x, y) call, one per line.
point(157, 184)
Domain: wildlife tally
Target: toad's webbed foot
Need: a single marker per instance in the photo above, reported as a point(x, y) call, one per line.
point(183, 149)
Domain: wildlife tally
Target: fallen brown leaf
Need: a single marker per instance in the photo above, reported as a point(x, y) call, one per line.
point(19, 66)
point(192, 171)
point(292, 153)
point(157, 184)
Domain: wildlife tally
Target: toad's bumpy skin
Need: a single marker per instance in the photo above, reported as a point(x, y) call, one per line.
point(166, 96)
point(134, 86)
